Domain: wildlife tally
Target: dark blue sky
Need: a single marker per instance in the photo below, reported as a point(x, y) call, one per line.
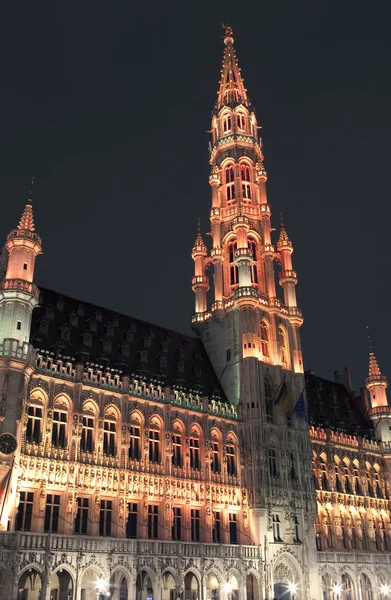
point(108, 105)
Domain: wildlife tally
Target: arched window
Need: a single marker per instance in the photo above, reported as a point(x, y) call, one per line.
point(109, 433)
point(246, 191)
point(324, 481)
point(177, 446)
point(87, 440)
point(269, 400)
point(377, 486)
point(252, 246)
point(241, 121)
point(231, 457)
point(154, 442)
point(244, 172)
point(227, 123)
point(59, 427)
point(347, 587)
point(230, 182)
point(216, 454)
point(135, 438)
point(356, 479)
point(265, 340)
point(233, 268)
point(34, 423)
point(194, 446)
point(366, 587)
point(273, 465)
point(284, 350)
point(346, 478)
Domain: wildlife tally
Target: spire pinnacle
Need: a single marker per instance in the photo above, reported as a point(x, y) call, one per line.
point(27, 219)
point(374, 369)
point(199, 241)
point(231, 89)
point(283, 234)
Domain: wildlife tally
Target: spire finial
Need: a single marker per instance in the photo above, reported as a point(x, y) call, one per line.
point(374, 369)
point(30, 196)
point(283, 234)
point(198, 226)
point(228, 32)
point(282, 221)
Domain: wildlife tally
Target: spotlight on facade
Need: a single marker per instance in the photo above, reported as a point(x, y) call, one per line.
point(101, 585)
point(337, 589)
point(292, 588)
point(228, 587)
point(385, 590)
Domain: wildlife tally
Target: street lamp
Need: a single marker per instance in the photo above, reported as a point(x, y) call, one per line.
point(228, 589)
point(336, 590)
point(101, 587)
point(292, 588)
point(385, 590)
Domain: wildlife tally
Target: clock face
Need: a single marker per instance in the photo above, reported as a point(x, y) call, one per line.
point(8, 443)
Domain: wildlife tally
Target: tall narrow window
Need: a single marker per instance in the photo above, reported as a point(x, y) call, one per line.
point(231, 459)
point(283, 348)
point(323, 477)
point(52, 513)
point(154, 446)
point(177, 450)
point(131, 524)
point(269, 401)
point(245, 172)
point(356, 479)
point(232, 266)
point(348, 485)
point(241, 121)
point(33, 429)
point(105, 517)
point(265, 340)
point(195, 524)
point(87, 435)
point(25, 511)
point(216, 531)
point(297, 530)
point(153, 520)
point(81, 521)
point(338, 486)
point(233, 528)
point(379, 491)
point(230, 182)
point(246, 191)
point(252, 246)
point(109, 438)
point(134, 446)
point(227, 123)
point(272, 462)
point(276, 528)
point(195, 462)
point(177, 523)
point(215, 457)
point(59, 429)
point(369, 484)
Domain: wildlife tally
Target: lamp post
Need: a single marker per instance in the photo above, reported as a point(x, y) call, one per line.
point(336, 590)
point(101, 587)
point(293, 589)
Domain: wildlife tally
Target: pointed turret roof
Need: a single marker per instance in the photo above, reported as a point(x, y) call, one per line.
point(27, 219)
point(231, 83)
point(374, 373)
point(199, 242)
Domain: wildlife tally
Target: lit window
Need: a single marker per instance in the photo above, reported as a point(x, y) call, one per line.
point(233, 268)
point(244, 172)
point(105, 517)
point(227, 123)
point(241, 121)
point(33, 429)
point(59, 429)
point(134, 445)
point(87, 435)
point(195, 453)
point(231, 459)
point(52, 513)
point(246, 191)
point(252, 246)
point(265, 340)
point(154, 446)
point(109, 438)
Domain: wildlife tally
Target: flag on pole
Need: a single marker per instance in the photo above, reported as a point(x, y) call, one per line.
point(299, 408)
point(282, 400)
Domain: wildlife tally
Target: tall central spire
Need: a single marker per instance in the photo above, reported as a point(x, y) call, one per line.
point(231, 88)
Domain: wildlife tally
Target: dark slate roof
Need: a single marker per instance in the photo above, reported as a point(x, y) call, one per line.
point(99, 337)
point(331, 406)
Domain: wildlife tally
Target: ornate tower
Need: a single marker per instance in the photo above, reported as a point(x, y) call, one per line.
point(18, 298)
point(250, 333)
point(379, 410)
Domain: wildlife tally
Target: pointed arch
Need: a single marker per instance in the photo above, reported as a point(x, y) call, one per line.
point(284, 347)
point(265, 340)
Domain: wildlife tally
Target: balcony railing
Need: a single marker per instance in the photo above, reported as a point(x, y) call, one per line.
point(20, 285)
point(23, 541)
point(13, 349)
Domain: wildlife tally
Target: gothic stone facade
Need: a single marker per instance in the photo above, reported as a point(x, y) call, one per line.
point(150, 464)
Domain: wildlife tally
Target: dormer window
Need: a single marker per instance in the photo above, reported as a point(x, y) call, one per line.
point(227, 123)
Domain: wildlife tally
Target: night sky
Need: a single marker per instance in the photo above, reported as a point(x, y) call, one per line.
point(108, 104)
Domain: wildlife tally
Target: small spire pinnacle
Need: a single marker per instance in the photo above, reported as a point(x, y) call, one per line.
point(283, 234)
point(27, 219)
point(229, 35)
point(199, 240)
point(374, 369)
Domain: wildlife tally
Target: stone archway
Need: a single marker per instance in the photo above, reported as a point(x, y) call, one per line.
point(169, 591)
point(30, 585)
point(213, 587)
point(94, 585)
point(191, 587)
point(61, 585)
point(252, 587)
point(285, 581)
point(119, 586)
point(144, 586)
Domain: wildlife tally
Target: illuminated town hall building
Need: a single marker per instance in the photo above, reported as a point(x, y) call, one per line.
point(140, 463)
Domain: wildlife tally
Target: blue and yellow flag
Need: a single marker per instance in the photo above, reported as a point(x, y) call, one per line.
point(283, 400)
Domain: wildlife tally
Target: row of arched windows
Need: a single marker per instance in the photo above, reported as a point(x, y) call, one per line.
point(232, 266)
point(245, 177)
point(176, 443)
point(229, 120)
